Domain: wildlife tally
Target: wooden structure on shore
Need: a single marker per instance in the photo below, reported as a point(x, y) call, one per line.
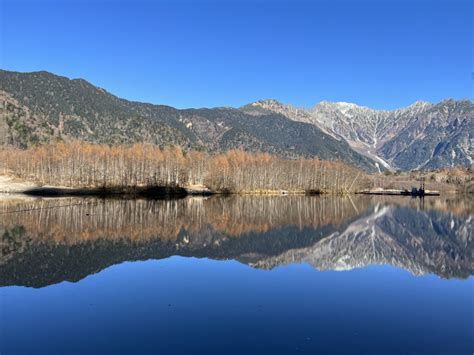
point(413, 192)
point(421, 192)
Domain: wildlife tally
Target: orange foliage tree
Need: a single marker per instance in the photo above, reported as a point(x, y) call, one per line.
point(81, 164)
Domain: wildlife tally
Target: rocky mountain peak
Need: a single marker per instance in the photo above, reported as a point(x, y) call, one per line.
point(421, 135)
point(272, 105)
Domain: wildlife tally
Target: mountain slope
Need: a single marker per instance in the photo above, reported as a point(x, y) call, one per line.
point(419, 136)
point(40, 107)
point(59, 107)
point(443, 135)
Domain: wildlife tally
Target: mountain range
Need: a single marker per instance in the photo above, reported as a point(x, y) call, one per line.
point(420, 136)
point(40, 107)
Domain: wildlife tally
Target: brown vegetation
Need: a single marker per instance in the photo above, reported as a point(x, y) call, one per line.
point(101, 166)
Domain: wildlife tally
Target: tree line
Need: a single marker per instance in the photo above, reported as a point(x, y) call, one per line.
point(79, 164)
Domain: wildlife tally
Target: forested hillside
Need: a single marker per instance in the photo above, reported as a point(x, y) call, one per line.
point(42, 107)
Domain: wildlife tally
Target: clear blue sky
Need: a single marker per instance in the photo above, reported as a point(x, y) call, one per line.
point(383, 54)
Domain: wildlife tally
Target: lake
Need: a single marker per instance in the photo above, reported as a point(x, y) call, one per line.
point(237, 274)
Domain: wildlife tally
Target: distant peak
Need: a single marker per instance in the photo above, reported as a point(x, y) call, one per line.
point(455, 103)
point(452, 101)
point(44, 73)
point(419, 103)
point(277, 106)
point(267, 102)
point(337, 103)
point(346, 106)
point(340, 106)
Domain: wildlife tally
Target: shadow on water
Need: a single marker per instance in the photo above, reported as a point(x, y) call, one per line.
point(46, 241)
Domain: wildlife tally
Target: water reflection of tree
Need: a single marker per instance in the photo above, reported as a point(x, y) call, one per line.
point(71, 220)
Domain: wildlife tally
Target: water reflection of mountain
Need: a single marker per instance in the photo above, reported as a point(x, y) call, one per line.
point(48, 241)
point(416, 240)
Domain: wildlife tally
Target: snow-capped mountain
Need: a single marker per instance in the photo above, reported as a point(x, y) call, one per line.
point(422, 135)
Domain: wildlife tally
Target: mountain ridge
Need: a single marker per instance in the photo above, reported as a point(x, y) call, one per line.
point(395, 137)
point(40, 106)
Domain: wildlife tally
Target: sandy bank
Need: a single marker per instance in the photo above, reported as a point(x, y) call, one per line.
point(9, 184)
point(13, 185)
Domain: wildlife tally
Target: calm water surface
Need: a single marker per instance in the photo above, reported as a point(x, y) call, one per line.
point(261, 275)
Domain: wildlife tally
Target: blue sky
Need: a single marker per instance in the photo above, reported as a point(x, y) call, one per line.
point(383, 54)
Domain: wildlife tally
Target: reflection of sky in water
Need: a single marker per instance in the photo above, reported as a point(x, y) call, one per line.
point(188, 305)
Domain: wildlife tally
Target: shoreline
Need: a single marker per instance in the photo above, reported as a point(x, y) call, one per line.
point(16, 186)
point(150, 192)
point(13, 185)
